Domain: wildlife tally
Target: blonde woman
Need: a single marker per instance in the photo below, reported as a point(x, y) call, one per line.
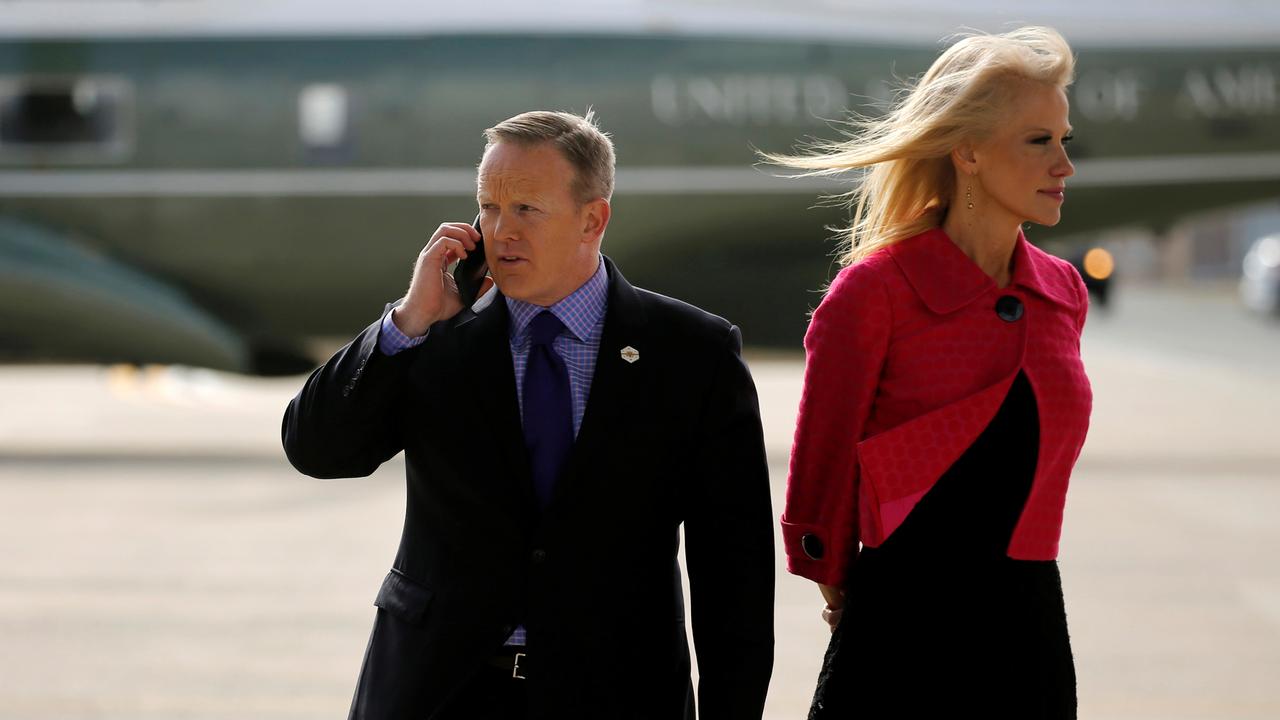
point(944, 399)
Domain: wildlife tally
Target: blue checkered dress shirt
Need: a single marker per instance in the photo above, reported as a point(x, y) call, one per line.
point(582, 313)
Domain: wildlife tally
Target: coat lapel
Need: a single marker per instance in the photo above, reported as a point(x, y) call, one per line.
point(487, 375)
point(615, 398)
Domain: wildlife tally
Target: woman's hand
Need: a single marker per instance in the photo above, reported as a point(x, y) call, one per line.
point(835, 604)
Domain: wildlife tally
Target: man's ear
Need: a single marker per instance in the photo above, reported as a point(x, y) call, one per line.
point(595, 217)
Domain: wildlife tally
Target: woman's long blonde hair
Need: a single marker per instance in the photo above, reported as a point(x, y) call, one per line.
point(909, 179)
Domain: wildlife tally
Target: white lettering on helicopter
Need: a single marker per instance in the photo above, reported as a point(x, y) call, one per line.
point(747, 99)
point(1105, 95)
point(1229, 91)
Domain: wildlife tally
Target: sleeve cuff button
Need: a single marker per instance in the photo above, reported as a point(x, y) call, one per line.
point(813, 547)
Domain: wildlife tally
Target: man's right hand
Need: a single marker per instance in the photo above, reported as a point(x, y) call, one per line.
point(433, 295)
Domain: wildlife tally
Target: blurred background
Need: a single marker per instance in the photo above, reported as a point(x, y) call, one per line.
point(199, 201)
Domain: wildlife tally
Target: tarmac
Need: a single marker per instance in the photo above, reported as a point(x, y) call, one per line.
point(159, 558)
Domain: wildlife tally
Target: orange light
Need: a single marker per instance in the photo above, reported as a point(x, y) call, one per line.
point(1099, 264)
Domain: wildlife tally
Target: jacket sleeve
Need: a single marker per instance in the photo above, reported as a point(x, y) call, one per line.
point(344, 420)
point(845, 349)
point(729, 546)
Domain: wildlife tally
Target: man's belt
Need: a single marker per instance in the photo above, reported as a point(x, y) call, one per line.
point(512, 659)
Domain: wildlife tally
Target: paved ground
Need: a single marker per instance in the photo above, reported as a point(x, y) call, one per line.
point(160, 559)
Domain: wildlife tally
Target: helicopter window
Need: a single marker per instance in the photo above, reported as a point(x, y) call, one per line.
point(71, 114)
point(322, 115)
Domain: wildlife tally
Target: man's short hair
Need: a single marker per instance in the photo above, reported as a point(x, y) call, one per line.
point(578, 139)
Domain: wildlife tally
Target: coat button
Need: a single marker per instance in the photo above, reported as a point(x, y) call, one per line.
point(1009, 308)
point(813, 547)
point(539, 556)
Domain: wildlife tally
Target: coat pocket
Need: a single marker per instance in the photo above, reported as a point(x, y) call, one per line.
point(403, 597)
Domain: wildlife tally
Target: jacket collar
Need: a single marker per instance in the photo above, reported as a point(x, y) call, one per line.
point(947, 280)
point(1042, 273)
point(623, 310)
point(579, 311)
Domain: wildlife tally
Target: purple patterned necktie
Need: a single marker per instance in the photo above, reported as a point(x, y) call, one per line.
point(548, 409)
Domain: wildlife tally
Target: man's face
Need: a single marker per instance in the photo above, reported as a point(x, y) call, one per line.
point(540, 242)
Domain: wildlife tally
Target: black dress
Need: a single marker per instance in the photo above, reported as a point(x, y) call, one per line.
point(939, 621)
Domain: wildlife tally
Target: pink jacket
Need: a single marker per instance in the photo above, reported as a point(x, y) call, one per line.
point(909, 356)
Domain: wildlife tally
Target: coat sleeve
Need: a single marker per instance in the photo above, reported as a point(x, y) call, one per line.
point(845, 349)
point(729, 546)
point(344, 421)
point(1082, 291)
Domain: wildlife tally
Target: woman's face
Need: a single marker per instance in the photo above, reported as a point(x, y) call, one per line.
point(1023, 167)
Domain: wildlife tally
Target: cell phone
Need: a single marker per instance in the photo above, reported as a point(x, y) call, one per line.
point(470, 271)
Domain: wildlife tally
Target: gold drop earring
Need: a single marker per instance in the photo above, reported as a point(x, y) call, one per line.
point(968, 194)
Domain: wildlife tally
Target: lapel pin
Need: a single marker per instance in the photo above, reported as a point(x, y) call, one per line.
point(630, 354)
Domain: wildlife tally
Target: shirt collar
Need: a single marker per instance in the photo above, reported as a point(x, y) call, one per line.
point(580, 311)
point(947, 280)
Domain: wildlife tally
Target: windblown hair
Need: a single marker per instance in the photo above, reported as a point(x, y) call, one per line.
point(577, 137)
point(908, 178)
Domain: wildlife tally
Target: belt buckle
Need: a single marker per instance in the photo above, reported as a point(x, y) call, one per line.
point(515, 667)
